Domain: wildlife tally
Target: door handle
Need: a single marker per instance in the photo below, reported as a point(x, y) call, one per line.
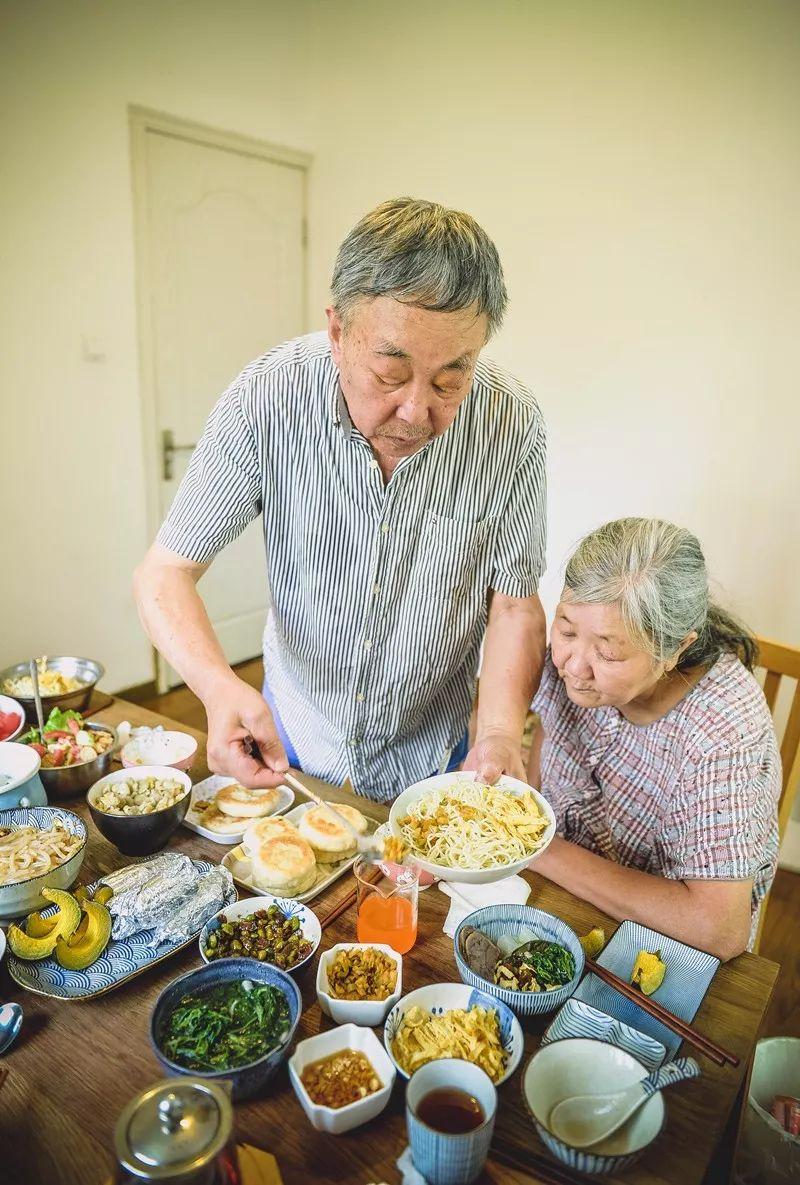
point(168, 450)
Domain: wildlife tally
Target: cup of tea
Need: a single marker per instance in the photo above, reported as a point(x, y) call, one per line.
point(450, 1112)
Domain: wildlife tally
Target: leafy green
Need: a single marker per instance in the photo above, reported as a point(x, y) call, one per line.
point(536, 966)
point(228, 1026)
point(58, 721)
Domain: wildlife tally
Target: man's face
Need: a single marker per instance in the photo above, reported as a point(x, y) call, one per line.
point(404, 371)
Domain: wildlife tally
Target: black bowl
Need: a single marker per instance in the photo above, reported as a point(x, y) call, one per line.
point(141, 835)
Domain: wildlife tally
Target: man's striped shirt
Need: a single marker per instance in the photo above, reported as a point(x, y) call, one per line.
point(378, 590)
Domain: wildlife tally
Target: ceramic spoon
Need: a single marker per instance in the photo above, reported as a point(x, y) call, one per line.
point(10, 1025)
point(586, 1119)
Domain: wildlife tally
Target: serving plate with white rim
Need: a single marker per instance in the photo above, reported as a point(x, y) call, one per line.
point(437, 998)
point(689, 973)
point(206, 790)
point(470, 876)
point(577, 1019)
point(289, 907)
point(240, 867)
point(122, 960)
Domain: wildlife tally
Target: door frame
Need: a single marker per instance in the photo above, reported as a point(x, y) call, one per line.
point(143, 121)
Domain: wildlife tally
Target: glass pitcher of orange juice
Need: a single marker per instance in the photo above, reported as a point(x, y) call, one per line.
point(387, 909)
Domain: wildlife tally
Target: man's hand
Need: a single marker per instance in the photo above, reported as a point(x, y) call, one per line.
point(237, 712)
point(493, 754)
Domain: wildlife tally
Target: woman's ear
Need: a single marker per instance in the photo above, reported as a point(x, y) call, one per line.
point(674, 659)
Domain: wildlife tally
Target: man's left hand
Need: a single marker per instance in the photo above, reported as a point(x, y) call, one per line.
point(494, 754)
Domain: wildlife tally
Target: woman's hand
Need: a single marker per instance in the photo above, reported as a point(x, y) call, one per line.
point(495, 754)
point(237, 714)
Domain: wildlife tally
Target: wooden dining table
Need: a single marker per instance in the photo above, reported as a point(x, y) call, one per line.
point(76, 1064)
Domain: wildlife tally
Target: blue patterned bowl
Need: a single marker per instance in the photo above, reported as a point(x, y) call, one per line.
point(23, 896)
point(437, 998)
point(246, 1080)
point(581, 1065)
point(496, 920)
point(289, 907)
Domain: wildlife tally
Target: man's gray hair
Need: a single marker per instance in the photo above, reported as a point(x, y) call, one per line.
point(422, 254)
point(656, 573)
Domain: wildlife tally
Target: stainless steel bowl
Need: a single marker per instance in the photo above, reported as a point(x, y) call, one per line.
point(85, 669)
point(68, 781)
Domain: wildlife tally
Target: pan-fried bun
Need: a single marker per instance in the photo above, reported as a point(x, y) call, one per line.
point(245, 803)
point(284, 864)
point(330, 839)
point(213, 818)
point(260, 830)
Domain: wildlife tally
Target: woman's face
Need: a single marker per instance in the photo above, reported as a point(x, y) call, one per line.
point(596, 659)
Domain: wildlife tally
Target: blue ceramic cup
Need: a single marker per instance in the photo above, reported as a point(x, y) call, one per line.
point(442, 1158)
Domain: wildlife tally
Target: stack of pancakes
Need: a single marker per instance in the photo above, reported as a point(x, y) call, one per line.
point(234, 807)
point(285, 858)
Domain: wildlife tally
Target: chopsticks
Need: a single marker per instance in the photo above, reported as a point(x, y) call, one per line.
point(715, 1053)
point(347, 901)
point(523, 1160)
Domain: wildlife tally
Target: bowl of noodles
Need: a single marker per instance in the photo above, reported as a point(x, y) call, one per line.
point(459, 829)
point(41, 847)
point(64, 682)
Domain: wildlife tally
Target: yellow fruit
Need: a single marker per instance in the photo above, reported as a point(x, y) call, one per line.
point(94, 940)
point(104, 895)
point(593, 942)
point(648, 971)
point(81, 894)
point(65, 923)
point(39, 927)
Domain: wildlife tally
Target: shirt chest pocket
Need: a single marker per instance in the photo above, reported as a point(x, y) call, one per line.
point(455, 557)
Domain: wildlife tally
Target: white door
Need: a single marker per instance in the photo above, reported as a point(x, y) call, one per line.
point(224, 281)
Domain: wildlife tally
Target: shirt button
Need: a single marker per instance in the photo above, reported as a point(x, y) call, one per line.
point(385, 528)
point(367, 643)
point(353, 742)
point(376, 588)
point(360, 697)
point(373, 464)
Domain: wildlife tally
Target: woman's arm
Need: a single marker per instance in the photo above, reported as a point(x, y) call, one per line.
point(713, 915)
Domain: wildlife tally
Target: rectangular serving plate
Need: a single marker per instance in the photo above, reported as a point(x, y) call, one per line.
point(575, 1018)
point(238, 863)
point(689, 973)
point(123, 959)
point(207, 789)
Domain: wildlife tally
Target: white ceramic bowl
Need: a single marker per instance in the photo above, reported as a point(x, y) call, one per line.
point(174, 749)
point(357, 1012)
point(336, 1120)
point(581, 1065)
point(443, 997)
point(309, 924)
point(496, 920)
point(470, 876)
point(21, 897)
point(13, 706)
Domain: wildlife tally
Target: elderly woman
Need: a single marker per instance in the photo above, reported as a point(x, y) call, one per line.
point(657, 749)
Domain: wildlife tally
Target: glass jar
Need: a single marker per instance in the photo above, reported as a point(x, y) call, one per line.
point(179, 1131)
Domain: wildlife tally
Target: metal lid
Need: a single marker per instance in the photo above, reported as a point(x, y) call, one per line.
point(173, 1129)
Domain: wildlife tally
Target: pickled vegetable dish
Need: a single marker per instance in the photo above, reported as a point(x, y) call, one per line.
point(340, 1079)
point(267, 935)
point(228, 1026)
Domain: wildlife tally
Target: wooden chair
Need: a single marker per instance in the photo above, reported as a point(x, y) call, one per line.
point(779, 662)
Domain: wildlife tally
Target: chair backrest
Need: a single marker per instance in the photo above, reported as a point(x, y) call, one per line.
point(784, 662)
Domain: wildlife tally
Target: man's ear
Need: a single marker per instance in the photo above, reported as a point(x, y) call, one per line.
point(335, 331)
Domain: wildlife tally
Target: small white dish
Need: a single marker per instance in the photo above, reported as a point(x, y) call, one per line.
point(358, 1012)
point(159, 747)
point(206, 791)
point(578, 1065)
point(470, 876)
point(437, 998)
point(336, 1120)
point(309, 925)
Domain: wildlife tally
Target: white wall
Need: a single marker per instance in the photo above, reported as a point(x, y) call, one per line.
point(637, 164)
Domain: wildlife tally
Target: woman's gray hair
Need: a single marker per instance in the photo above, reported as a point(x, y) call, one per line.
point(422, 254)
point(657, 574)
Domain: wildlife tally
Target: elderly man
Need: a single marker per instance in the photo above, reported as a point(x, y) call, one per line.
point(401, 482)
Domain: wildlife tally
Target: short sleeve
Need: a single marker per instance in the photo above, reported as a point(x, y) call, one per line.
point(221, 490)
point(712, 831)
point(522, 532)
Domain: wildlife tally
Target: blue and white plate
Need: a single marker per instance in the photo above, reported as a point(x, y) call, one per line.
point(289, 907)
point(121, 960)
point(437, 998)
point(577, 1019)
point(689, 973)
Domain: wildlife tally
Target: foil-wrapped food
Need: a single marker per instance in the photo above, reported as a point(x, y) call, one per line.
point(167, 895)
